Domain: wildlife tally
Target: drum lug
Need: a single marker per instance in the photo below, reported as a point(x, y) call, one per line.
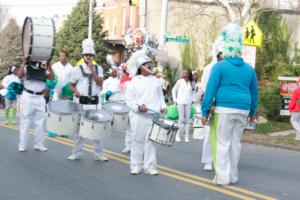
point(105, 126)
point(123, 117)
point(92, 126)
point(48, 115)
point(59, 118)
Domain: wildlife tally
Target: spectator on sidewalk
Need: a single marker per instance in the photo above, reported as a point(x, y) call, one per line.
point(294, 108)
point(183, 96)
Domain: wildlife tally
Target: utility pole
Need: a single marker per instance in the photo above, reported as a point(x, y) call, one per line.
point(90, 19)
point(163, 29)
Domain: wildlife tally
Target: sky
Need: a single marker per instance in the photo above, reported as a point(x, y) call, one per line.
point(19, 9)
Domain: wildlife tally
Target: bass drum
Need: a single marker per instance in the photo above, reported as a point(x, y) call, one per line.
point(38, 38)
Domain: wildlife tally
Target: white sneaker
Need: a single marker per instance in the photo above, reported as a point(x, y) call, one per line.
point(186, 139)
point(42, 149)
point(21, 149)
point(135, 172)
point(101, 158)
point(74, 156)
point(126, 150)
point(177, 138)
point(208, 167)
point(152, 172)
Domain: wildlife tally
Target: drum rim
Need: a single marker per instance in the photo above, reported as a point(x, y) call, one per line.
point(96, 122)
point(116, 112)
point(31, 36)
point(63, 113)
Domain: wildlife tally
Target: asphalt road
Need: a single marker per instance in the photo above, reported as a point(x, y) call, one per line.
point(265, 173)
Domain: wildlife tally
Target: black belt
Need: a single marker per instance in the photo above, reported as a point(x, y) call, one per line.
point(32, 92)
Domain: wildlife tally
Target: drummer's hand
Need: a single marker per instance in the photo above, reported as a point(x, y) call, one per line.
point(143, 108)
point(163, 110)
point(91, 67)
point(204, 120)
point(251, 118)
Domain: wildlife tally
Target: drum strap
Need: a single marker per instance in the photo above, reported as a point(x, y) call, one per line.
point(89, 76)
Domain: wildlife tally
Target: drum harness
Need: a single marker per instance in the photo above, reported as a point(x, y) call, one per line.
point(89, 99)
point(38, 74)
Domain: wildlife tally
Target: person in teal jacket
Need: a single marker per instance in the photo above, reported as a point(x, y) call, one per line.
point(232, 92)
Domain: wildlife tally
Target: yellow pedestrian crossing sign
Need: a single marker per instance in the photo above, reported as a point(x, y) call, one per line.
point(252, 35)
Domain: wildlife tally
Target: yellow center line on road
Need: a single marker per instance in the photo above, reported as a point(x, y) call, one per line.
point(172, 173)
point(245, 191)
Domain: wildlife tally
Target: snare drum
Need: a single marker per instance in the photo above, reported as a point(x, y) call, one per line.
point(38, 38)
point(63, 117)
point(163, 131)
point(95, 125)
point(120, 115)
point(197, 123)
point(117, 97)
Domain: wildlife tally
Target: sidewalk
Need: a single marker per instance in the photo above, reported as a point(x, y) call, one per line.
point(281, 139)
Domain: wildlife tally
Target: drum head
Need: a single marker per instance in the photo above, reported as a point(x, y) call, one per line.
point(64, 107)
point(27, 36)
point(117, 108)
point(97, 116)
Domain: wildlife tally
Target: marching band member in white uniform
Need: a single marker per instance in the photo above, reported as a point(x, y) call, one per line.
point(206, 147)
point(124, 81)
point(33, 103)
point(63, 70)
point(86, 81)
point(144, 95)
point(112, 83)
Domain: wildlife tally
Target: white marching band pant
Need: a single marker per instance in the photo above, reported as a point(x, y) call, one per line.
point(33, 110)
point(142, 149)
point(80, 141)
point(128, 134)
point(226, 132)
point(206, 147)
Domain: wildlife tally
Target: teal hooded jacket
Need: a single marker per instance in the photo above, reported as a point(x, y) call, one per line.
point(232, 84)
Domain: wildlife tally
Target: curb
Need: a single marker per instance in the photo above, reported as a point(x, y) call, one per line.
point(266, 144)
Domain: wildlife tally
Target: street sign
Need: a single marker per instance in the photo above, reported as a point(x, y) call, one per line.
point(178, 39)
point(252, 35)
point(249, 55)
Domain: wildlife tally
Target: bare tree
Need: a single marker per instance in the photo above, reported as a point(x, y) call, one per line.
point(3, 16)
point(10, 46)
